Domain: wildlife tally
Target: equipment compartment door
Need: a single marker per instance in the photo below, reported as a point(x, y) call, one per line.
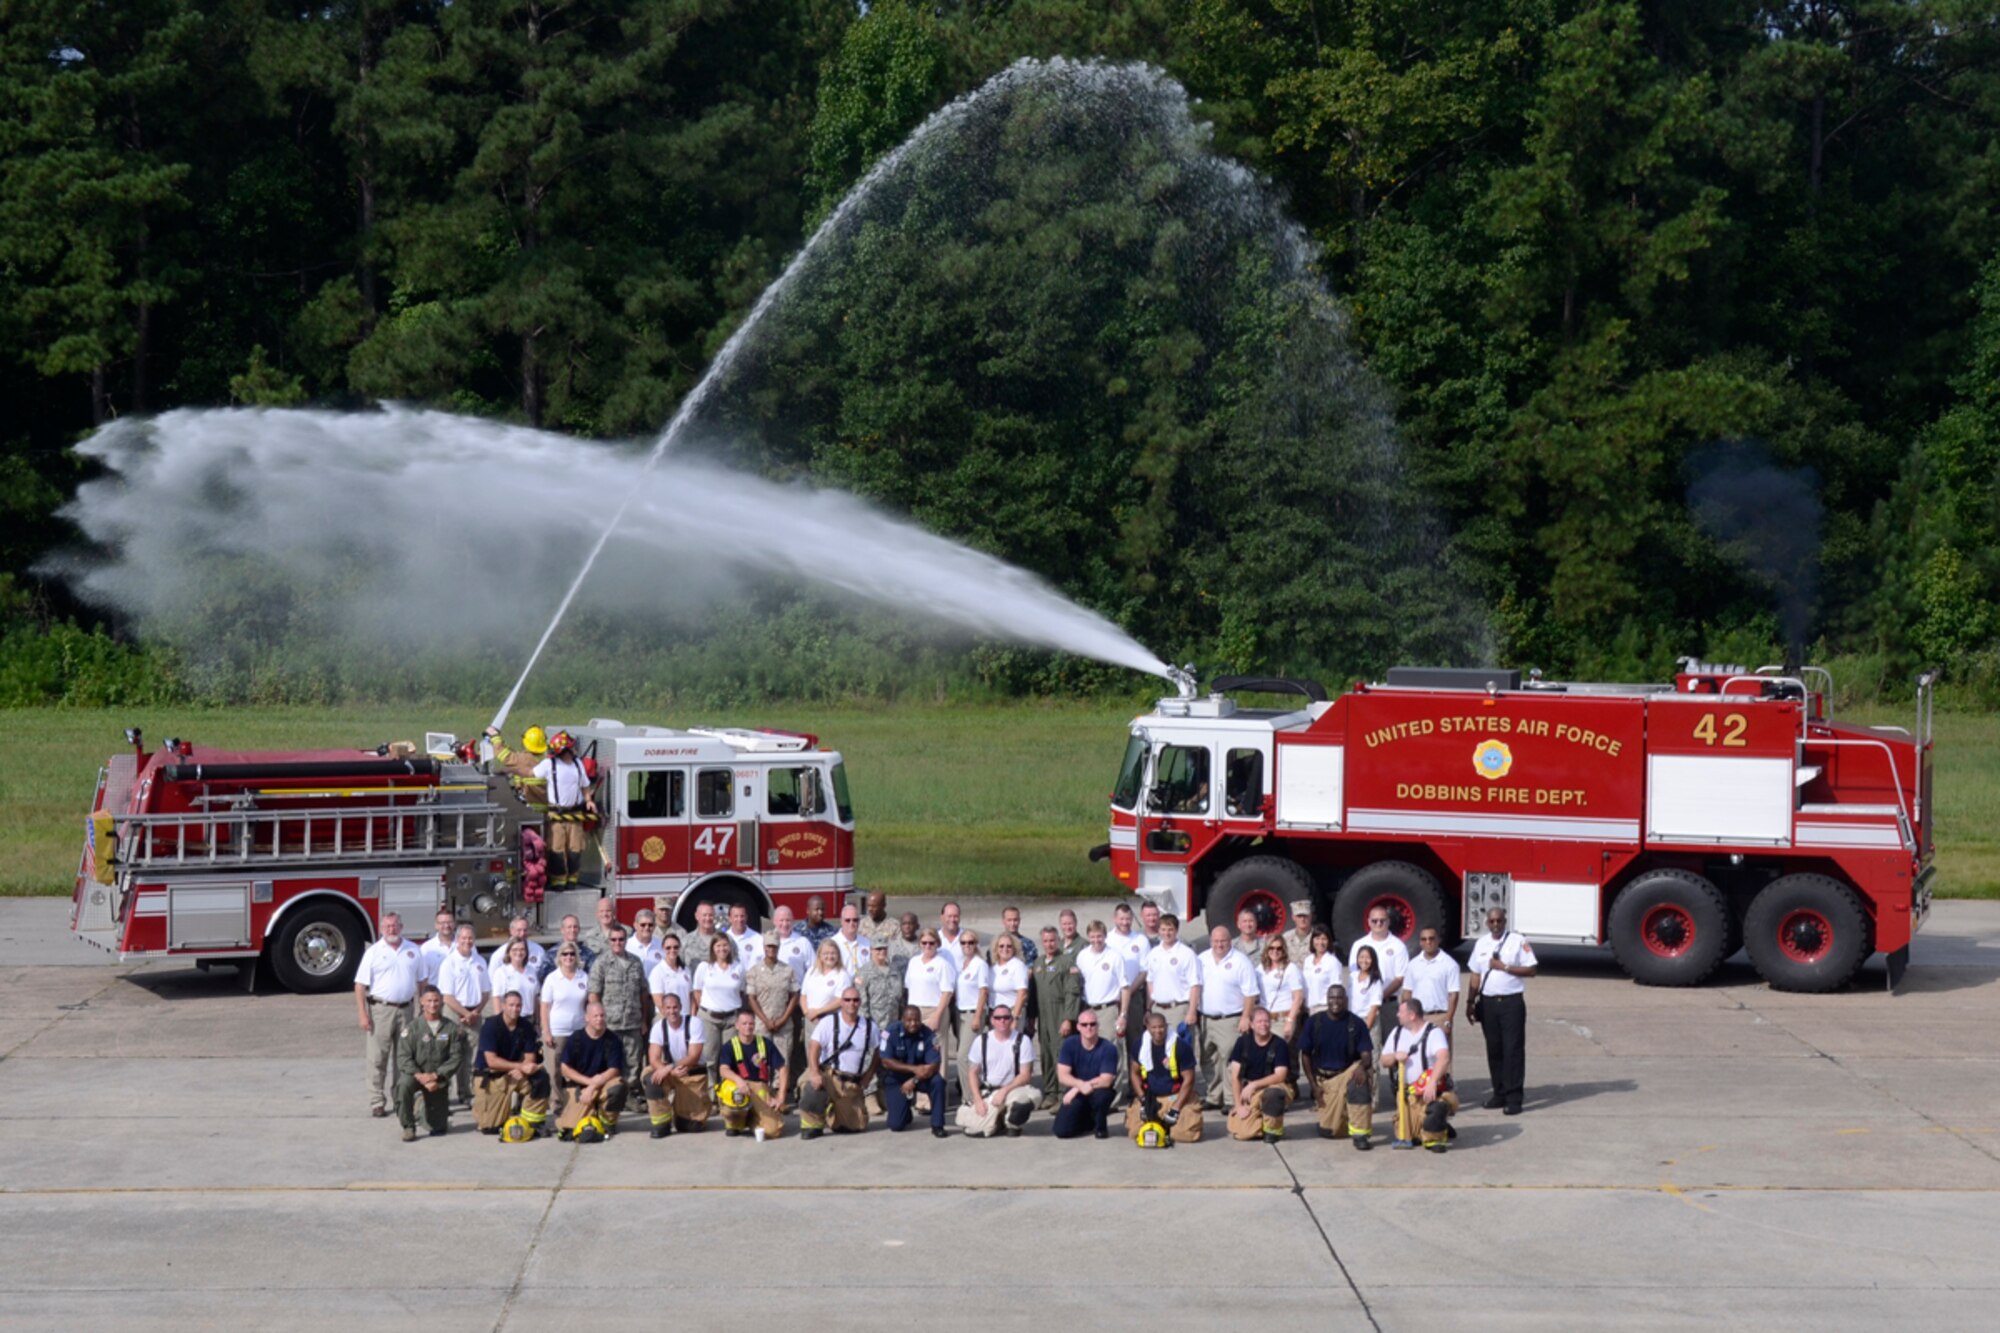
point(653, 827)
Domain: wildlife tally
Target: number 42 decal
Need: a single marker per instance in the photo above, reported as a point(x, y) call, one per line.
point(1733, 727)
point(715, 841)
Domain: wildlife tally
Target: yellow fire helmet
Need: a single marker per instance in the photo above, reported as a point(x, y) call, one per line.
point(590, 1129)
point(535, 741)
point(516, 1130)
point(1153, 1134)
point(732, 1095)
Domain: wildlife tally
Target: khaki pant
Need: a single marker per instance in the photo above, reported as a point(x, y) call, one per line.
point(1187, 1129)
point(682, 1097)
point(565, 834)
point(389, 1021)
point(977, 1126)
point(468, 1033)
point(948, 1047)
point(608, 1102)
point(494, 1095)
point(761, 1109)
point(1424, 1122)
point(1175, 1014)
point(716, 1028)
point(1266, 1116)
point(1218, 1039)
point(634, 1042)
point(1345, 1102)
point(838, 1094)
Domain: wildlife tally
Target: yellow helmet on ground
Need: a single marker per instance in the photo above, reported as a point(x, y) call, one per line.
point(516, 1130)
point(732, 1095)
point(1153, 1134)
point(535, 741)
point(590, 1129)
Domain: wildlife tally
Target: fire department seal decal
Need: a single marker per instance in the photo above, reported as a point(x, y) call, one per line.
point(1492, 758)
point(653, 849)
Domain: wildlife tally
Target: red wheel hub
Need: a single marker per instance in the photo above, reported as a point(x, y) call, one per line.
point(1668, 930)
point(1270, 911)
point(1402, 914)
point(1805, 936)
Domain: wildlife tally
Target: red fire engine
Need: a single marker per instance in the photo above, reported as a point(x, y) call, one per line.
point(291, 858)
point(1676, 823)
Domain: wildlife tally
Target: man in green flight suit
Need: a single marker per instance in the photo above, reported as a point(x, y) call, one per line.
point(426, 1059)
point(1057, 989)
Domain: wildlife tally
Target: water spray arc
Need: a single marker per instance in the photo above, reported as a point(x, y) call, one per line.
point(937, 124)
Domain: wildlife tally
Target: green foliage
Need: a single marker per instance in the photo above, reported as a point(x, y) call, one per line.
point(1574, 241)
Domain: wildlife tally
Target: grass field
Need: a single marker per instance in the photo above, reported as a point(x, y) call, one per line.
point(960, 799)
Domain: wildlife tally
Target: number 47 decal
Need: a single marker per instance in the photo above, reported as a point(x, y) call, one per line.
point(715, 841)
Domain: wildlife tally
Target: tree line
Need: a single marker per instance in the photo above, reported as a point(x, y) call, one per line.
point(1577, 244)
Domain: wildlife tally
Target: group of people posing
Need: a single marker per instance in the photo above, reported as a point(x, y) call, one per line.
point(837, 1020)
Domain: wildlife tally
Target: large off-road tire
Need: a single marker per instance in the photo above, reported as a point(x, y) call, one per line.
point(1411, 894)
point(1670, 928)
point(319, 944)
point(725, 894)
point(1268, 885)
point(1807, 933)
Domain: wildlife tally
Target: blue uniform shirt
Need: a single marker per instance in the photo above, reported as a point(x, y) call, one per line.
point(1088, 1065)
point(904, 1047)
point(515, 1046)
point(1335, 1043)
point(590, 1056)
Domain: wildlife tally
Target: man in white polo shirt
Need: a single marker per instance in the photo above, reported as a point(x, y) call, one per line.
point(794, 949)
point(462, 980)
point(1172, 972)
point(385, 987)
point(1392, 959)
point(748, 939)
point(1225, 991)
point(1000, 1073)
point(1126, 941)
point(1433, 978)
point(441, 943)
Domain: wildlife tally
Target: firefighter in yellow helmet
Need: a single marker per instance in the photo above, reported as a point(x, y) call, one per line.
point(519, 765)
point(572, 806)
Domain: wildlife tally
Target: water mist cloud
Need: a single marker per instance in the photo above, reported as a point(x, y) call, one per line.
point(410, 524)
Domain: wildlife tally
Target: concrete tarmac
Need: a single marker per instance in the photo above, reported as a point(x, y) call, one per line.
point(179, 1153)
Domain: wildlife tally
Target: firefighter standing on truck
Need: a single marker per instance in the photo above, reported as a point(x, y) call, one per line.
point(571, 806)
point(519, 765)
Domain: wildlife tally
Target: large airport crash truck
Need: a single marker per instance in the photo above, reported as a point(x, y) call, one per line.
point(1675, 822)
point(289, 859)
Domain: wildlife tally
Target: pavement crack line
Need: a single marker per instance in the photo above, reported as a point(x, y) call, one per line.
point(528, 1255)
point(1299, 1193)
point(62, 1011)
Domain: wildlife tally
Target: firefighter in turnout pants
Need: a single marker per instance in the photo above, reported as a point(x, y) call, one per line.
point(1336, 1051)
point(510, 1067)
point(1162, 1076)
point(572, 807)
point(676, 1082)
point(1426, 1099)
point(841, 1057)
point(745, 1088)
point(519, 765)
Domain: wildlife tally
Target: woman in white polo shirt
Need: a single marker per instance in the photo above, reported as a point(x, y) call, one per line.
point(515, 972)
point(564, 992)
point(1010, 975)
point(1364, 985)
point(819, 993)
point(718, 994)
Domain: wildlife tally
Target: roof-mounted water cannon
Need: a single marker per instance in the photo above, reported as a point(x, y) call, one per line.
point(1186, 680)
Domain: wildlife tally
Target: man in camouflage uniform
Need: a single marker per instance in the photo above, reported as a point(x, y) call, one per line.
point(1299, 939)
point(427, 1058)
point(880, 928)
point(881, 986)
point(1057, 988)
point(618, 978)
point(905, 945)
point(771, 993)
